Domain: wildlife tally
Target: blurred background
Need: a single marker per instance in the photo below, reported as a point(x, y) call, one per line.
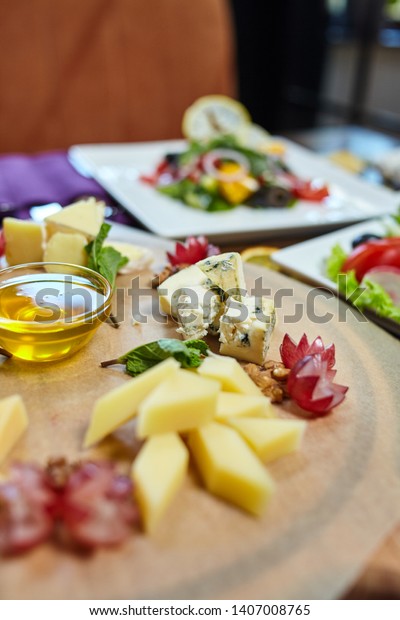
point(76, 71)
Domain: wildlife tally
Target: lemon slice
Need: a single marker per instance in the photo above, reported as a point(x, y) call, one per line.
point(260, 255)
point(212, 116)
point(253, 136)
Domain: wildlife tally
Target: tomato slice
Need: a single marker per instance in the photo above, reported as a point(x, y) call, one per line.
point(382, 252)
point(306, 190)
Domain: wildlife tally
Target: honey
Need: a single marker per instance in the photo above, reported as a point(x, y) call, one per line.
point(45, 316)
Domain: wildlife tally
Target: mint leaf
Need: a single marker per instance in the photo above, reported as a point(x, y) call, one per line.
point(189, 354)
point(106, 261)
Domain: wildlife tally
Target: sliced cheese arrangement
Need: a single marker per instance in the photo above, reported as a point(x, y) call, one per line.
point(63, 237)
point(215, 413)
point(210, 297)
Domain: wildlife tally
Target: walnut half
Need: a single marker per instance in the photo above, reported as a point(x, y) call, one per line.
point(270, 378)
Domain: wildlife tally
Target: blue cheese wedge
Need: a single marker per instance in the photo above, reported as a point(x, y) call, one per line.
point(198, 312)
point(225, 271)
point(246, 328)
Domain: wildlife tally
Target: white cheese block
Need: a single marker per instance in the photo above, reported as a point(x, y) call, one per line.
point(180, 283)
point(225, 271)
point(139, 258)
point(246, 328)
point(85, 216)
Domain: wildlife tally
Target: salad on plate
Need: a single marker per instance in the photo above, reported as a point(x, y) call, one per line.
point(229, 162)
point(369, 276)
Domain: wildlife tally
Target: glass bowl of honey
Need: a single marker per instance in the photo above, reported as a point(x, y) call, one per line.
point(48, 311)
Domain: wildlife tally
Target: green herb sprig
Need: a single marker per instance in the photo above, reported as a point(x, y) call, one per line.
point(189, 354)
point(105, 260)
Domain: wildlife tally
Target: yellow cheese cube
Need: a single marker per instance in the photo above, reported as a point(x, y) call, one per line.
point(158, 472)
point(24, 241)
point(270, 439)
point(182, 403)
point(66, 248)
point(229, 468)
point(13, 422)
point(230, 375)
point(230, 404)
point(85, 216)
point(120, 404)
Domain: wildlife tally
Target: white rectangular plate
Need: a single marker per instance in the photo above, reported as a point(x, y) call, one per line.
point(118, 167)
point(307, 260)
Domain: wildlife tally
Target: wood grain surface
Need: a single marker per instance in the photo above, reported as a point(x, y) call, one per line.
point(337, 499)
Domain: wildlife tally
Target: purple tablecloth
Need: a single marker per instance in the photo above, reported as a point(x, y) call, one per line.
point(42, 178)
point(27, 180)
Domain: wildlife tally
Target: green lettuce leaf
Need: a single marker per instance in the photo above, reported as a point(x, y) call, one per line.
point(366, 295)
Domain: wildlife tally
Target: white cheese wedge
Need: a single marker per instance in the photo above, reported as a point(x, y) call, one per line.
point(246, 328)
point(66, 248)
point(270, 439)
point(121, 404)
point(182, 403)
point(158, 473)
point(85, 216)
point(229, 373)
point(13, 422)
point(229, 468)
point(24, 241)
point(231, 405)
point(225, 271)
point(177, 285)
point(139, 258)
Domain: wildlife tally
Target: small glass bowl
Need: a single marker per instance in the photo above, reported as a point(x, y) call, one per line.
point(48, 311)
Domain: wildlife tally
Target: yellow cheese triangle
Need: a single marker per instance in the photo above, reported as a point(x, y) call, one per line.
point(181, 403)
point(231, 405)
point(85, 216)
point(158, 472)
point(270, 439)
point(13, 422)
point(229, 468)
point(121, 404)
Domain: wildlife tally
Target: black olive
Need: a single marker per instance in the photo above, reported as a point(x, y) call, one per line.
point(363, 239)
point(172, 159)
point(271, 196)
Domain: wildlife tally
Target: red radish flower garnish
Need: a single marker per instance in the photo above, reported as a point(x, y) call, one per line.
point(310, 384)
point(291, 352)
point(26, 506)
point(191, 251)
point(98, 508)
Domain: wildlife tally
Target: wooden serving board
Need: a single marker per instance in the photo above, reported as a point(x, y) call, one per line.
point(336, 499)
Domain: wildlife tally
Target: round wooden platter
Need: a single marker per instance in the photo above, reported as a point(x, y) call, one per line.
point(336, 498)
